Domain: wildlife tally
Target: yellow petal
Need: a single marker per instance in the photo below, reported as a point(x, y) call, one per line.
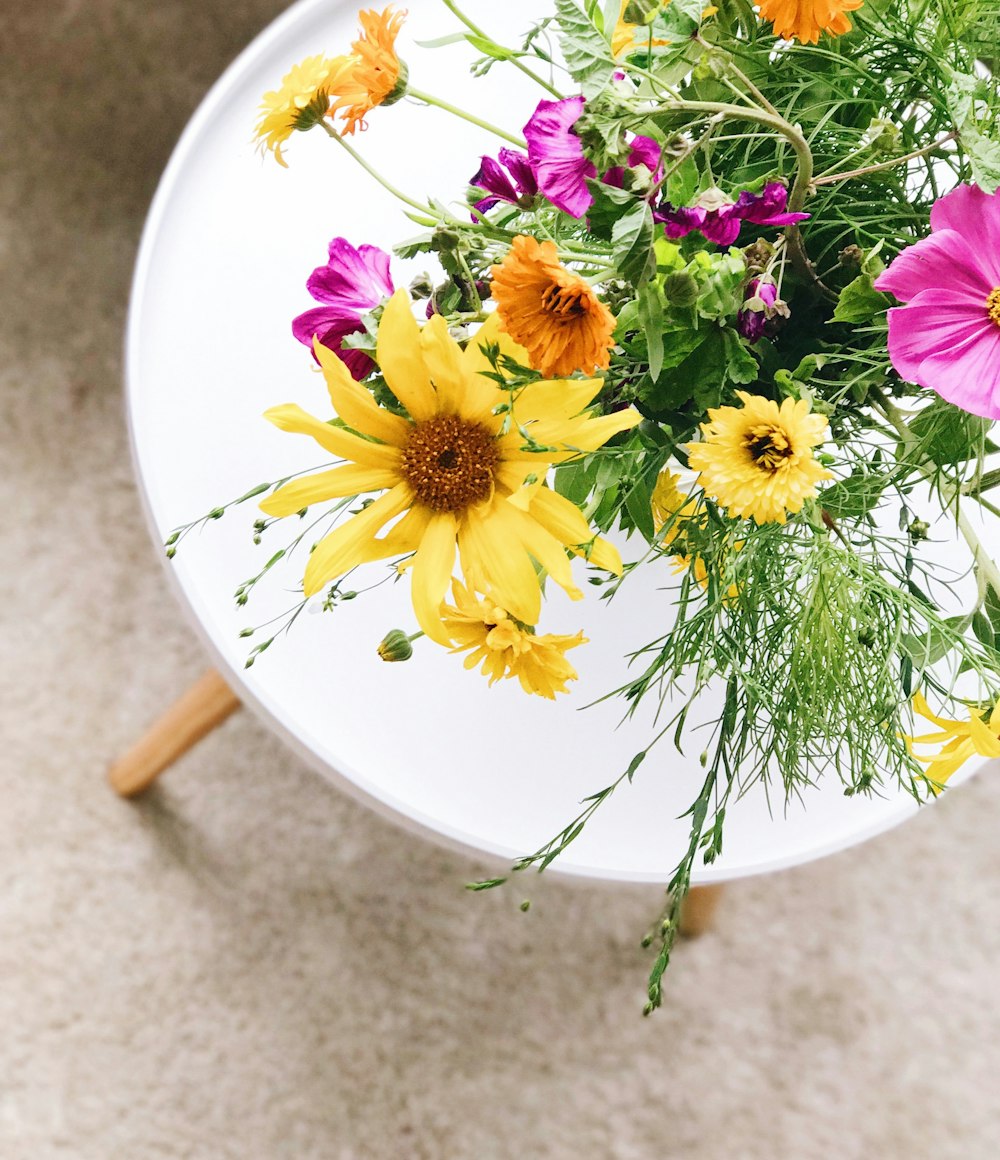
point(484, 541)
point(349, 544)
point(985, 742)
point(340, 481)
point(443, 360)
point(474, 358)
point(547, 550)
point(559, 399)
point(401, 360)
point(432, 568)
point(291, 417)
point(920, 706)
point(355, 405)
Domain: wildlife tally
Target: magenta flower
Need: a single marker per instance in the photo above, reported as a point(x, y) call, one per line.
point(510, 178)
point(642, 151)
point(556, 155)
point(947, 336)
point(760, 305)
point(719, 217)
point(352, 282)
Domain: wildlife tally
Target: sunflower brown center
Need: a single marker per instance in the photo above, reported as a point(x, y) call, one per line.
point(449, 462)
point(564, 301)
point(769, 446)
point(993, 305)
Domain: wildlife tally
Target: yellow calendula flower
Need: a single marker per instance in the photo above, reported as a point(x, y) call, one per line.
point(550, 311)
point(378, 76)
point(804, 20)
point(960, 740)
point(505, 648)
point(757, 460)
point(302, 101)
point(458, 472)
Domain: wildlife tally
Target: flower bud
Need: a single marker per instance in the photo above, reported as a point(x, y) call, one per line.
point(395, 646)
point(680, 288)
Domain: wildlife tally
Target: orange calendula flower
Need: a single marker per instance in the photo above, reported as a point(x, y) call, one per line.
point(378, 76)
point(961, 740)
point(805, 19)
point(552, 312)
point(504, 648)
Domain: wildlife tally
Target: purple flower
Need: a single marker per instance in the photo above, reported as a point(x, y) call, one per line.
point(642, 151)
point(352, 282)
point(556, 155)
point(947, 336)
point(719, 217)
point(760, 305)
point(510, 178)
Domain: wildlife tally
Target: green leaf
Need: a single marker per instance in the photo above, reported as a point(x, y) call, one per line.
point(741, 366)
point(609, 205)
point(585, 50)
point(639, 506)
point(651, 319)
point(852, 498)
point(949, 435)
point(984, 156)
point(859, 301)
point(632, 244)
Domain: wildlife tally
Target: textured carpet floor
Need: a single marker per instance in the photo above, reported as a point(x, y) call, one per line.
point(248, 965)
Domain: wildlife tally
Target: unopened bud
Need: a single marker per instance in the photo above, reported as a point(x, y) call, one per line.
point(680, 289)
point(395, 646)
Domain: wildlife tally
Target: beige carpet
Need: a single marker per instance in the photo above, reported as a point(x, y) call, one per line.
point(248, 965)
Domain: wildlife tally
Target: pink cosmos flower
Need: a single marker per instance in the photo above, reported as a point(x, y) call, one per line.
point(947, 336)
point(352, 282)
point(719, 217)
point(556, 155)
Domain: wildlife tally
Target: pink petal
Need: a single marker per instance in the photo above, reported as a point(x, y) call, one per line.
point(976, 216)
point(968, 374)
point(945, 259)
point(935, 323)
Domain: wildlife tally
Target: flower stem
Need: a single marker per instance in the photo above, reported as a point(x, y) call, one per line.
point(428, 99)
point(375, 173)
point(514, 60)
point(830, 178)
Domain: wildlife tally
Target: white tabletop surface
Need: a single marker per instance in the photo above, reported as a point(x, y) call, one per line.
point(229, 243)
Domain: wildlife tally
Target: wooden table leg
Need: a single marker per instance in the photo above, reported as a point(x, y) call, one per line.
point(698, 910)
point(204, 706)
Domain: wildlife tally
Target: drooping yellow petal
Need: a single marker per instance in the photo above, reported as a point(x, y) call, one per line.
point(432, 568)
point(985, 742)
point(291, 417)
point(547, 550)
point(566, 522)
point(351, 479)
point(355, 405)
point(345, 546)
point(484, 542)
point(401, 359)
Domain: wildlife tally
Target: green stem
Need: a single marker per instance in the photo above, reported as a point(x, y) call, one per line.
point(985, 566)
point(515, 61)
point(830, 178)
point(428, 99)
point(375, 173)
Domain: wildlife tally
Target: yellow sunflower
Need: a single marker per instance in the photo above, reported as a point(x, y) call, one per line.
point(457, 474)
point(804, 20)
point(962, 740)
point(505, 648)
point(671, 505)
point(757, 460)
point(377, 77)
point(302, 101)
point(550, 311)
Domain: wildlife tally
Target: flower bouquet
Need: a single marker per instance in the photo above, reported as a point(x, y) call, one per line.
point(727, 306)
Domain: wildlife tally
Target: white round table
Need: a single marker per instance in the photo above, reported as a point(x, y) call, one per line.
point(230, 240)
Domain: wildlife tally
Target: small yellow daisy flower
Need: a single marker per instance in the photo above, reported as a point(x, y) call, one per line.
point(757, 460)
point(504, 648)
point(961, 740)
point(301, 103)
